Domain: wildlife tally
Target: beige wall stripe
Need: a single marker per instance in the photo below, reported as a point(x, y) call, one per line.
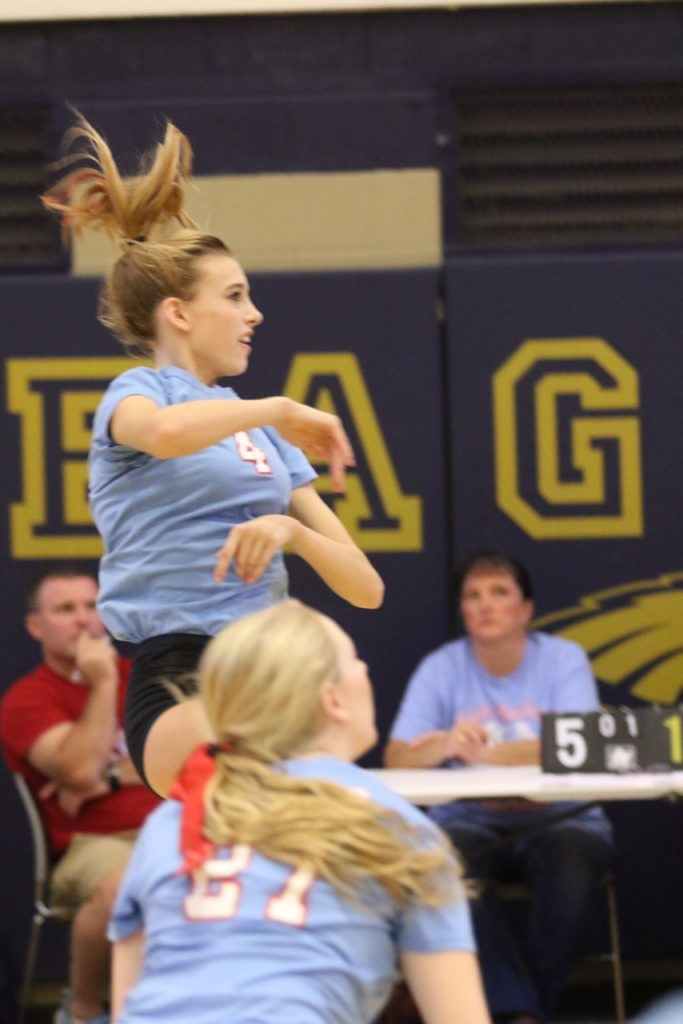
point(333, 221)
point(48, 10)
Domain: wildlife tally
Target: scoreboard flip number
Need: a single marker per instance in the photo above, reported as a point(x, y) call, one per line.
point(674, 724)
point(613, 740)
point(570, 743)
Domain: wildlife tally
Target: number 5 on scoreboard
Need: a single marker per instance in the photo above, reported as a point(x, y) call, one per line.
point(570, 742)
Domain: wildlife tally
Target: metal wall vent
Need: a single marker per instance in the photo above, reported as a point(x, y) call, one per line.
point(29, 237)
point(567, 166)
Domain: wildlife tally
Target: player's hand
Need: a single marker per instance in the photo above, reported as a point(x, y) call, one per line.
point(250, 546)
point(96, 660)
point(319, 433)
point(466, 740)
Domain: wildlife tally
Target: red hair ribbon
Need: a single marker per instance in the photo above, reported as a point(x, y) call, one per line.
point(189, 788)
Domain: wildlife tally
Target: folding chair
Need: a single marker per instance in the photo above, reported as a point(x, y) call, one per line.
point(612, 956)
point(43, 908)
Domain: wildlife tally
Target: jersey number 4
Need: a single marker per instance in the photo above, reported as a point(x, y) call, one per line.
point(217, 891)
point(248, 452)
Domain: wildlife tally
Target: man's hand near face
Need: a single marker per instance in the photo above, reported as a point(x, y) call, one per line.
point(96, 660)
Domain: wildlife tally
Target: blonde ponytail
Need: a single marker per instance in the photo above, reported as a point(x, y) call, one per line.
point(260, 681)
point(98, 197)
point(131, 211)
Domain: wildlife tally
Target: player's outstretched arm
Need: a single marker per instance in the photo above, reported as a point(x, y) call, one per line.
point(313, 532)
point(446, 987)
point(168, 432)
point(324, 542)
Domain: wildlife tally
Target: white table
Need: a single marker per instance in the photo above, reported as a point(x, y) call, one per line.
point(439, 785)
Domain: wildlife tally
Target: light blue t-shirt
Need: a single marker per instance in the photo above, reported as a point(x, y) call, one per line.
point(337, 964)
point(450, 684)
point(163, 520)
point(667, 1010)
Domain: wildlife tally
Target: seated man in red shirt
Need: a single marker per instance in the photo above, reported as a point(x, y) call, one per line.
point(61, 728)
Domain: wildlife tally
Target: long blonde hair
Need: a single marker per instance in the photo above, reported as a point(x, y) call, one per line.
point(129, 211)
point(260, 681)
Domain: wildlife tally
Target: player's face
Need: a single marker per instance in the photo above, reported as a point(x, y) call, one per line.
point(221, 319)
point(65, 608)
point(493, 606)
point(356, 691)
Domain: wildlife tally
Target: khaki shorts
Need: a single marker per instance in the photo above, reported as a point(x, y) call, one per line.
point(88, 860)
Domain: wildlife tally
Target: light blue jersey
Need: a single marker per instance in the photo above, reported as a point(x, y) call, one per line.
point(262, 943)
point(450, 684)
point(164, 520)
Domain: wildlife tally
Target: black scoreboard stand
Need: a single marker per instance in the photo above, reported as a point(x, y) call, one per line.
point(613, 740)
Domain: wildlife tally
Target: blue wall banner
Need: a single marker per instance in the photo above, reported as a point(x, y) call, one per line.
point(566, 449)
point(565, 392)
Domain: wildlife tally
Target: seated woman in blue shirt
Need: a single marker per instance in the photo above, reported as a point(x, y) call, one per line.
point(478, 701)
point(194, 492)
point(281, 882)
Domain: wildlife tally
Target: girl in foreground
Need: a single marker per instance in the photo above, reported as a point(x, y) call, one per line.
point(282, 882)
point(194, 492)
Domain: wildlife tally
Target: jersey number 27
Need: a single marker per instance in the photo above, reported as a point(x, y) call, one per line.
point(217, 891)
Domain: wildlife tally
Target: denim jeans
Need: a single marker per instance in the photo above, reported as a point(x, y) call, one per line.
point(562, 863)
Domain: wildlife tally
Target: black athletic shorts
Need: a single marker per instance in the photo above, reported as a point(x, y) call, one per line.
point(169, 658)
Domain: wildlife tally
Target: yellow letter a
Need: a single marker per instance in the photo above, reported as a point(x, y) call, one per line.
point(393, 520)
